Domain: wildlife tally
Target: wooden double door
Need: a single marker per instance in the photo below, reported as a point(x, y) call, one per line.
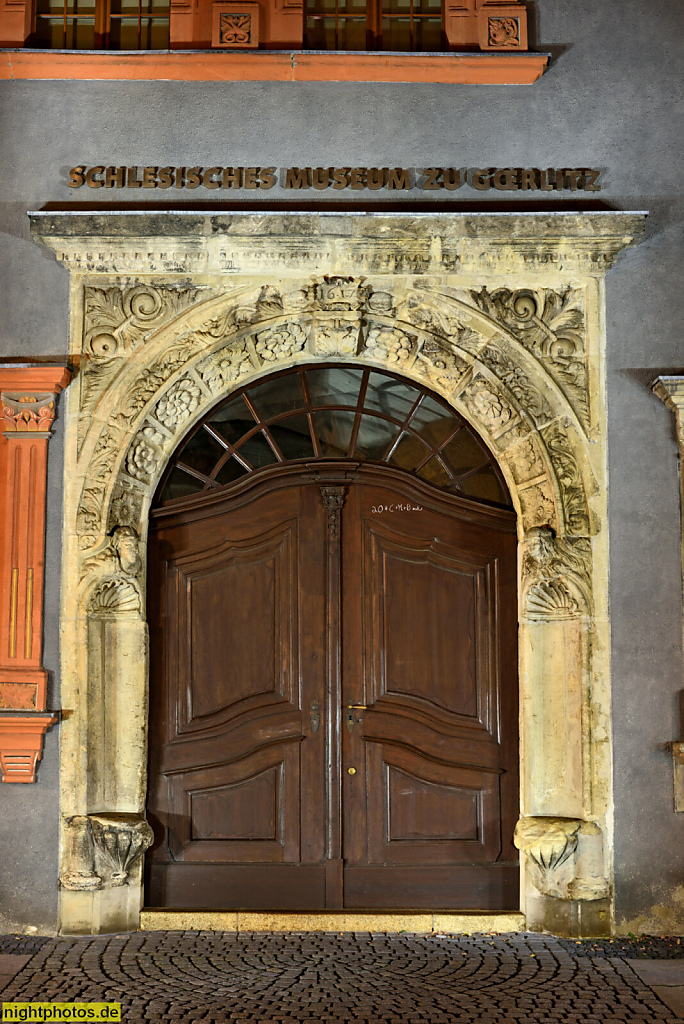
point(333, 717)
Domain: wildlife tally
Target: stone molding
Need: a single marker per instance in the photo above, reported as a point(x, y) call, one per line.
point(28, 396)
point(501, 316)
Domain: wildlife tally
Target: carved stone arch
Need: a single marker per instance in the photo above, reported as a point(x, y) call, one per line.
point(190, 363)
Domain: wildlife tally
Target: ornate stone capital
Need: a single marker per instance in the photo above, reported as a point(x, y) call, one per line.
point(27, 398)
point(671, 391)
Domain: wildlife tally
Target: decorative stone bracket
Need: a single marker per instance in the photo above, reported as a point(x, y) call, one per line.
point(565, 856)
point(103, 848)
point(27, 412)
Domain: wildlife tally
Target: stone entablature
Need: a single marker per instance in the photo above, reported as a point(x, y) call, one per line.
point(502, 315)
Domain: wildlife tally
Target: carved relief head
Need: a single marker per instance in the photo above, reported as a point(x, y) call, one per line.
point(126, 544)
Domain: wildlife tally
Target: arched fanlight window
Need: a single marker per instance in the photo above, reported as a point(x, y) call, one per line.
point(334, 412)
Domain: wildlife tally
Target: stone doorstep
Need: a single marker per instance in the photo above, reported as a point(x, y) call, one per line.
point(330, 921)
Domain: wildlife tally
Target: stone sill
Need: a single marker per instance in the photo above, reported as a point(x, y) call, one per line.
point(274, 66)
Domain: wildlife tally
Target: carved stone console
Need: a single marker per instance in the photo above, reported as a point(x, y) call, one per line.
point(104, 848)
point(564, 863)
point(28, 396)
point(103, 870)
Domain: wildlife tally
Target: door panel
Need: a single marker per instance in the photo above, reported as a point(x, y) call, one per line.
point(430, 652)
point(236, 770)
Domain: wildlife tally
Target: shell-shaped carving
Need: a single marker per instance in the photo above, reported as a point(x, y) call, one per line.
point(114, 597)
point(551, 599)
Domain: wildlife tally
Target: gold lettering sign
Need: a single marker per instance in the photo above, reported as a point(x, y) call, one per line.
point(356, 179)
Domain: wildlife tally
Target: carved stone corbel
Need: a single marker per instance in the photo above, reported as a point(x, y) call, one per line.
point(555, 576)
point(565, 855)
point(103, 848)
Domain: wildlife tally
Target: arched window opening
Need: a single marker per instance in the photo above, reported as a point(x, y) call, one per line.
point(334, 412)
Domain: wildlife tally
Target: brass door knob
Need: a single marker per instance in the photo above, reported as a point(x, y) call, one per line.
point(351, 771)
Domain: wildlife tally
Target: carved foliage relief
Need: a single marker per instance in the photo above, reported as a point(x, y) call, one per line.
point(197, 358)
point(551, 325)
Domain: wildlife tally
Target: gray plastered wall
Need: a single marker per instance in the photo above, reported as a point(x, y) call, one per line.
point(612, 99)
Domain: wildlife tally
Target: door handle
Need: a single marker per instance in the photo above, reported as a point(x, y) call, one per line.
point(351, 721)
point(315, 716)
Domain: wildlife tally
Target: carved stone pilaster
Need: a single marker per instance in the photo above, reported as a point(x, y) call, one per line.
point(670, 390)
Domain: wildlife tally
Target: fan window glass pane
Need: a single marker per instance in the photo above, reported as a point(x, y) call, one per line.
point(335, 385)
point(277, 396)
point(230, 471)
point(392, 397)
point(181, 485)
point(464, 453)
point(409, 453)
point(484, 484)
point(374, 438)
point(257, 451)
point(334, 428)
point(435, 473)
point(233, 420)
point(293, 437)
point(202, 452)
point(432, 421)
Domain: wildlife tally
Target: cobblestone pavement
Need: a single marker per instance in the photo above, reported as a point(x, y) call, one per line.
point(334, 979)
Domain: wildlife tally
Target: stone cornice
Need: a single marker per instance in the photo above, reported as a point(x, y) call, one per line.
point(670, 389)
point(226, 243)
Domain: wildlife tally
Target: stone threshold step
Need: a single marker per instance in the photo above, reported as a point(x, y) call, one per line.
point(443, 923)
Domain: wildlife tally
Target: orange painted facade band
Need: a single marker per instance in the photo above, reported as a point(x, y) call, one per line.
point(27, 411)
point(266, 66)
